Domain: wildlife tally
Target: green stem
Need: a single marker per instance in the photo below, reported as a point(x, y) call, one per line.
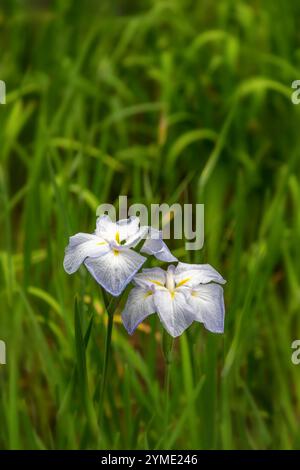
point(110, 311)
point(167, 345)
point(167, 393)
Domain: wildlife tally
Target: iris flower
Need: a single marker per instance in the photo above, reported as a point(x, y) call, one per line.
point(109, 253)
point(179, 296)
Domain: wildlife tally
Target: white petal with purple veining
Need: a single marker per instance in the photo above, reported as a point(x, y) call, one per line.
point(119, 231)
point(134, 239)
point(193, 274)
point(105, 228)
point(139, 305)
point(114, 270)
point(150, 277)
point(128, 228)
point(154, 245)
point(207, 302)
point(80, 247)
point(173, 310)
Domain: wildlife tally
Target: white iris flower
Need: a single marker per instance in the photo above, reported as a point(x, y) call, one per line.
point(108, 254)
point(179, 296)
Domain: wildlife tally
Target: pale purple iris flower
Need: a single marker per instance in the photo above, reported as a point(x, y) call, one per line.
point(109, 253)
point(179, 296)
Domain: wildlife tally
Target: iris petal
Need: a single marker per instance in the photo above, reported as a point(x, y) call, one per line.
point(119, 231)
point(128, 228)
point(207, 302)
point(154, 245)
point(195, 274)
point(135, 238)
point(139, 305)
point(173, 310)
point(80, 247)
point(114, 270)
point(150, 277)
point(106, 228)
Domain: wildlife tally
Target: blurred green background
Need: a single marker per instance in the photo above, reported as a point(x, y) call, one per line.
point(165, 101)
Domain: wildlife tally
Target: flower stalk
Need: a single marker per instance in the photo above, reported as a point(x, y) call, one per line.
point(167, 347)
point(110, 306)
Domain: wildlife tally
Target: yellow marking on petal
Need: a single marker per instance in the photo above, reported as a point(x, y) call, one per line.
point(116, 252)
point(194, 294)
point(117, 237)
point(172, 295)
point(156, 282)
point(184, 281)
point(101, 243)
point(148, 294)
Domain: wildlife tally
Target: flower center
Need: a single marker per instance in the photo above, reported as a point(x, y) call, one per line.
point(114, 247)
point(170, 281)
